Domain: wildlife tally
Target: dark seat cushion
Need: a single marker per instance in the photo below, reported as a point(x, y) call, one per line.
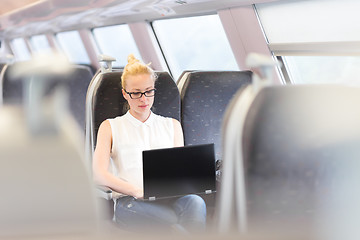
point(204, 99)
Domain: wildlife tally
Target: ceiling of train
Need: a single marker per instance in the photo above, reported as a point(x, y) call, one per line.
point(18, 18)
point(9, 6)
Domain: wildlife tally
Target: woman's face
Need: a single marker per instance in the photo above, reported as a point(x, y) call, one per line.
point(140, 107)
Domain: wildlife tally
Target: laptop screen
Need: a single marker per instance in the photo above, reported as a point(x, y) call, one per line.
point(179, 171)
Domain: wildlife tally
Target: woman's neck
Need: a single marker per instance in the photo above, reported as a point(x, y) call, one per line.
point(141, 117)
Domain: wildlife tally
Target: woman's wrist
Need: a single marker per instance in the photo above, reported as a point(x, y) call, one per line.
point(137, 193)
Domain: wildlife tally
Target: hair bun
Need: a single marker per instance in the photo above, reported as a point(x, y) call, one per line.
point(132, 59)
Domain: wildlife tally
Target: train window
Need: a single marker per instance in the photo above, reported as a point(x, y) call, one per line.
point(310, 44)
point(72, 45)
point(285, 21)
point(20, 49)
point(315, 69)
point(116, 41)
point(196, 43)
point(40, 44)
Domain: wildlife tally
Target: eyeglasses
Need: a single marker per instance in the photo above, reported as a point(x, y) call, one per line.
point(137, 95)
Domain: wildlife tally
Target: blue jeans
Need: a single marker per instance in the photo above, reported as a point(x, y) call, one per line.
point(186, 214)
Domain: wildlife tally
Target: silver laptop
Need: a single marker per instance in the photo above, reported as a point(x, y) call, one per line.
point(174, 172)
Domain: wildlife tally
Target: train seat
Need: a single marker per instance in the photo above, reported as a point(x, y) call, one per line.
point(76, 83)
point(105, 100)
point(12, 87)
point(204, 98)
point(292, 158)
point(3, 67)
point(46, 187)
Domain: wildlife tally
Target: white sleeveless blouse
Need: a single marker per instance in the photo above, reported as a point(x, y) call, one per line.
point(130, 137)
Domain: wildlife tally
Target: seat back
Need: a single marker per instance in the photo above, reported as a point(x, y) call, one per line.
point(204, 98)
point(298, 154)
point(75, 82)
point(12, 87)
point(3, 67)
point(77, 85)
point(46, 187)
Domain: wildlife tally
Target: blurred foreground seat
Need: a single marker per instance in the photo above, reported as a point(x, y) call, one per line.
point(291, 162)
point(45, 186)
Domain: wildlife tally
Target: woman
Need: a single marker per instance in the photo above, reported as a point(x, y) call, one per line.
point(117, 159)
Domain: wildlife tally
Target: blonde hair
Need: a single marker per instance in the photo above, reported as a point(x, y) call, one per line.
point(135, 67)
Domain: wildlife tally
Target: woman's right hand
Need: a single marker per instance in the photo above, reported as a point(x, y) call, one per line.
point(138, 193)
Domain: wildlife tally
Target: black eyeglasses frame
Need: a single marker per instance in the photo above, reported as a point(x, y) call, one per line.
point(141, 93)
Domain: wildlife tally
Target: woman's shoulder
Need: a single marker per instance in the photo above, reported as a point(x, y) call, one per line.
point(112, 122)
point(168, 121)
point(104, 127)
point(163, 118)
point(116, 119)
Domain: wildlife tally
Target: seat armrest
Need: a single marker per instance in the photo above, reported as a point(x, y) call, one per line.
point(106, 192)
point(218, 169)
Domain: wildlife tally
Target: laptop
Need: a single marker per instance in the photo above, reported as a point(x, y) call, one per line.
point(174, 172)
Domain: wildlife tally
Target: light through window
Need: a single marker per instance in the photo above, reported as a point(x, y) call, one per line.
point(20, 49)
point(116, 41)
point(40, 44)
point(195, 43)
point(315, 69)
point(71, 43)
